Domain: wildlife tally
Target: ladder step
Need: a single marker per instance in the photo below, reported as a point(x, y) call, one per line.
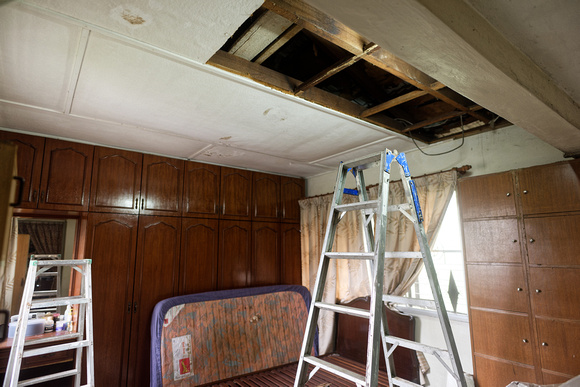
point(50, 339)
point(403, 382)
point(59, 301)
point(371, 255)
point(55, 348)
point(64, 262)
point(337, 370)
point(363, 163)
point(357, 312)
point(416, 346)
point(58, 375)
point(368, 205)
point(409, 301)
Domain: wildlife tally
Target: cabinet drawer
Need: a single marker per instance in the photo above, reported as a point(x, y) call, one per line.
point(494, 373)
point(492, 241)
point(503, 335)
point(551, 240)
point(555, 292)
point(487, 196)
point(498, 287)
point(559, 343)
point(550, 188)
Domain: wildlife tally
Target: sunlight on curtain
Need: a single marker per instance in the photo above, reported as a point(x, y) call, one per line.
point(348, 279)
point(7, 275)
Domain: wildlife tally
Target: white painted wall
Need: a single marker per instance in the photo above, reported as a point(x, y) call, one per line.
point(501, 150)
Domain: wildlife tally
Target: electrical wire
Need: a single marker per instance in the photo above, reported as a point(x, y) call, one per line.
point(446, 152)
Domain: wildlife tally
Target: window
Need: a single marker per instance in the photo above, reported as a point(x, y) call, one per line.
point(447, 256)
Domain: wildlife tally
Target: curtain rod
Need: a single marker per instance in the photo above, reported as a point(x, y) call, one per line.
point(460, 170)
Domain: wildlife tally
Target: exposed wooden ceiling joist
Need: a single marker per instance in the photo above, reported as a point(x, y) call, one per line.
point(278, 43)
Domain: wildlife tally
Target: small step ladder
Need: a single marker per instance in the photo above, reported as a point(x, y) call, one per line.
point(375, 253)
point(85, 315)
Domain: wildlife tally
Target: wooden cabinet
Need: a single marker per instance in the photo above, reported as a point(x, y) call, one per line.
point(199, 255)
point(488, 196)
point(201, 196)
point(550, 188)
point(292, 190)
point(111, 243)
point(235, 193)
point(161, 186)
point(265, 267)
point(523, 273)
point(266, 197)
point(116, 181)
point(156, 271)
point(290, 263)
point(29, 164)
point(235, 249)
point(135, 263)
point(66, 176)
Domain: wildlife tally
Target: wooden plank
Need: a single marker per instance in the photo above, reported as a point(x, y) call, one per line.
point(334, 69)
point(278, 43)
point(266, 29)
point(287, 85)
point(433, 120)
point(399, 100)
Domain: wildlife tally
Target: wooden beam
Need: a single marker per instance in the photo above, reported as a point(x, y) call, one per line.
point(286, 84)
point(393, 102)
point(334, 69)
point(433, 120)
point(278, 43)
point(266, 29)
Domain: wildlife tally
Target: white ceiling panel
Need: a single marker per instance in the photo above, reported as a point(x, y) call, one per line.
point(37, 55)
point(195, 29)
point(123, 83)
point(96, 132)
point(225, 155)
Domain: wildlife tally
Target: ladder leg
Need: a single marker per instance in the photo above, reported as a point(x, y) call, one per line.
point(15, 359)
point(89, 326)
point(311, 324)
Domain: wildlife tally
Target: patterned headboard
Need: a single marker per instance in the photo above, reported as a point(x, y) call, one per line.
point(202, 338)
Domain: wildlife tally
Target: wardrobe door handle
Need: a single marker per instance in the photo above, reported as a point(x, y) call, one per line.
point(129, 308)
point(135, 308)
point(142, 203)
point(137, 203)
point(520, 289)
point(42, 196)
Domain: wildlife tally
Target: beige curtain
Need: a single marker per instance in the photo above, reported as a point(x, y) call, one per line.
point(348, 279)
point(8, 270)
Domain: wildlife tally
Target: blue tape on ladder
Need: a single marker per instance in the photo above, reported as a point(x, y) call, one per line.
point(353, 170)
point(349, 191)
point(416, 201)
point(402, 160)
point(388, 160)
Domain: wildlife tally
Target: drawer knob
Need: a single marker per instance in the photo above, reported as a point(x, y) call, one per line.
point(538, 291)
point(525, 340)
point(544, 344)
point(525, 191)
point(532, 240)
point(515, 240)
point(520, 289)
point(508, 194)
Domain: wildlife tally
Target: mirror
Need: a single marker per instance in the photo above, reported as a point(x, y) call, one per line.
point(40, 239)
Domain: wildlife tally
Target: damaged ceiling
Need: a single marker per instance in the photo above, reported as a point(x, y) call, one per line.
point(273, 86)
point(295, 48)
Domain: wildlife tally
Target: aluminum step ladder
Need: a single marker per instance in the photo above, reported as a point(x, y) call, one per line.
point(83, 339)
point(375, 211)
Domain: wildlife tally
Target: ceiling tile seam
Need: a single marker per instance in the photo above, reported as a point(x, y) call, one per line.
point(205, 68)
point(354, 149)
point(26, 105)
point(205, 148)
point(77, 68)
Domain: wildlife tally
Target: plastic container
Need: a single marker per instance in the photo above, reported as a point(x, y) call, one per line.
point(35, 327)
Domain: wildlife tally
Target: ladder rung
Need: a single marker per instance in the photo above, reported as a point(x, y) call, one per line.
point(410, 301)
point(416, 346)
point(363, 163)
point(65, 336)
point(350, 255)
point(343, 309)
point(337, 370)
point(55, 348)
point(45, 378)
point(370, 204)
point(403, 382)
point(64, 262)
point(59, 301)
point(399, 207)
